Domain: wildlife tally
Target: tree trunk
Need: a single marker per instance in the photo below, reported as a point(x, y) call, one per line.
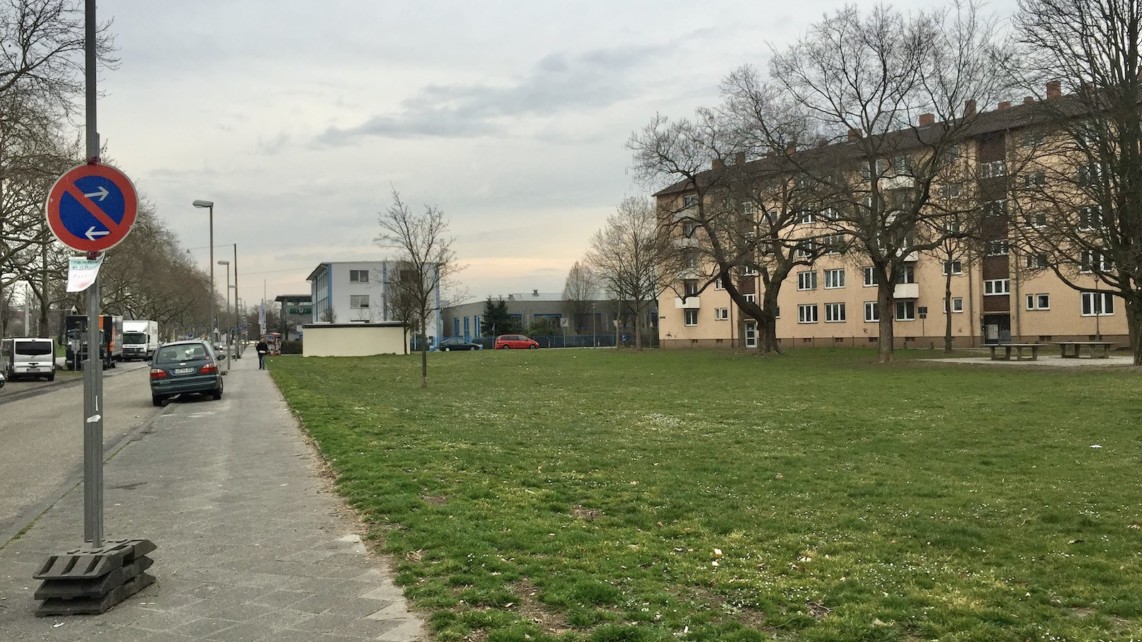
point(423, 354)
point(767, 325)
point(948, 311)
point(1134, 325)
point(638, 325)
point(885, 300)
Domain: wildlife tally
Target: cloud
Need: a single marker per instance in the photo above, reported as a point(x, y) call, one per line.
point(557, 83)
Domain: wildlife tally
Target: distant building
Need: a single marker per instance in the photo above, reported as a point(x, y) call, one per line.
point(356, 292)
point(542, 314)
point(296, 310)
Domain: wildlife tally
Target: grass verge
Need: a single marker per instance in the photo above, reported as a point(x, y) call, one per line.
point(664, 495)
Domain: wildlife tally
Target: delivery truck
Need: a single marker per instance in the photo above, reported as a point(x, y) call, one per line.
point(110, 340)
point(140, 339)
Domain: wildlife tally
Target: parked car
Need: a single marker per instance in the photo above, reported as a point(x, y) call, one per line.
point(457, 343)
point(185, 367)
point(28, 357)
point(515, 342)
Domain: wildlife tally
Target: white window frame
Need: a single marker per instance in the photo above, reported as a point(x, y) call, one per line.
point(992, 169)
point(749, 270)
point(807, 280)
point(834, 313)
point(956, 266)
point(834, 279)
point(355, 302)
point(354, 276)
point(750, 298)
point(997, 287)
point(870, 277)
point(1089, 258)
point(1039, 301)
point(907, 274)
point(690, 317)
point(908, 307)
point(872, 312)
point(997, 247)
point(1096, 303)
point(1035, 261)
point(807, 313)
point(721, 314)
point(957, 305)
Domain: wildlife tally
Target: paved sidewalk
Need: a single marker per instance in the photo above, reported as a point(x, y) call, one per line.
point(252, 542)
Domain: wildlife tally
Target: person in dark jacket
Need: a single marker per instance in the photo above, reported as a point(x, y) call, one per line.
point(263, 349)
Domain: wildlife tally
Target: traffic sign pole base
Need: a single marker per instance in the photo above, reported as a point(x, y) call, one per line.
point(90, 581)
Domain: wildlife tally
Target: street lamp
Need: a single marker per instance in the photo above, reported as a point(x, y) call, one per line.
point(237, 321)
point(210, 206)
point(594, 316)
point(230, 331)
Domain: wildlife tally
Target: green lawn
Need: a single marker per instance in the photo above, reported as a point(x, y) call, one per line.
point(691, 495)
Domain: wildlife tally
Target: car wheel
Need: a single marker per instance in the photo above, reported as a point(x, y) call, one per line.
point(157, 400)
point(52, 376)
point(532, 347)
point(447, 349)
point(217, 394)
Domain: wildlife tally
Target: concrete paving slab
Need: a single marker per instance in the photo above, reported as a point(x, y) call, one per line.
point(253, 544)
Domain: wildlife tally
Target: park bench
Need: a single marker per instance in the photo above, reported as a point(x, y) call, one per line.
point(1019, 349)
point(1096, 349)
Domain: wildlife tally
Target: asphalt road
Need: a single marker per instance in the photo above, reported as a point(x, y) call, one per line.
point(41, 433)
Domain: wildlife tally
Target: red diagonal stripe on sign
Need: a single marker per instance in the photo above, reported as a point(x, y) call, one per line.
point(94, 209)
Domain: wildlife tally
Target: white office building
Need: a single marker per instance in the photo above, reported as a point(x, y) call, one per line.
point(355, 292)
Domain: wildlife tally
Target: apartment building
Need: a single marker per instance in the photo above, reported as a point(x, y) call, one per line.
point(357, 292)
point(999, 289)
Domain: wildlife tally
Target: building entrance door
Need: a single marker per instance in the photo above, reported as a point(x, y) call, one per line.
point(996, 328)
point(750, 334)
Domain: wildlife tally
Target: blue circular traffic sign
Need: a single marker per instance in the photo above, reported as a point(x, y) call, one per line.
point(91, 208)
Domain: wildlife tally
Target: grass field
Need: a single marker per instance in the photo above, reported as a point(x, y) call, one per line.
point(690, 495)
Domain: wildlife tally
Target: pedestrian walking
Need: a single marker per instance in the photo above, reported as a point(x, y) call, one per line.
point(263, 348)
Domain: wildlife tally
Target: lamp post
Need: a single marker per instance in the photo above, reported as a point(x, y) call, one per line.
point(210, 206)
point(594, 316)
point(237, 321)
point(230, 331)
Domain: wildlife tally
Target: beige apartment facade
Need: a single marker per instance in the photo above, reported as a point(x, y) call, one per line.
point(997, 292)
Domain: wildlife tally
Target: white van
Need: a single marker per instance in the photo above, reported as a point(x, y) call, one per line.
point(29, 357)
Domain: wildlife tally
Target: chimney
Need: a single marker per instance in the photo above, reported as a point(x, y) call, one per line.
point(927, 120)
point(969, 108)
point(1027, 100)
point(854, 134)
point(1006, 104)
point(739, 158)
point(717, 164)
point(1054, 89)
point(791, 147)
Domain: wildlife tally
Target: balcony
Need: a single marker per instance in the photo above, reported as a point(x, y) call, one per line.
point(691, 303)
point(906, 291)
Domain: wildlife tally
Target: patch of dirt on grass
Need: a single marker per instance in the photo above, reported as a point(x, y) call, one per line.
point(699, 597)
point(531, 608)
point(586, 514)
point(434, 500)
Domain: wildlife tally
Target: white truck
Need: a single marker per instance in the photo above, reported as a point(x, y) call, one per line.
point(140, 339)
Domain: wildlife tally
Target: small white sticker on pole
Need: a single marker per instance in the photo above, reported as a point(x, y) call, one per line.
point(81, 272)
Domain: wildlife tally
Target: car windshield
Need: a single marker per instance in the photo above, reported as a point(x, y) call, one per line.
point(175, 353)
point(134, 337)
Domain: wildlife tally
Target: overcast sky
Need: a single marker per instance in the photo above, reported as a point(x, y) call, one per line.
point(298, 117)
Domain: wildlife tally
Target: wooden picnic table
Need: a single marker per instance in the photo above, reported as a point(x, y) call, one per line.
point(1017, 347)
point(1096, 349)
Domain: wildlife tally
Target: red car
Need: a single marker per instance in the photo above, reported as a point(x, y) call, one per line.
point(515, 342)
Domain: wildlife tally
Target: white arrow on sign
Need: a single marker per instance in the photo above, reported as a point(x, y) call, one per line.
point(91, 233)
point(102, 193)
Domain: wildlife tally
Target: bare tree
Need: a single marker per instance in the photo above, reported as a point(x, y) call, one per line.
point(426, 250)
point(1078, 202)
point(635, 258)
point(900, 91)
point(579, 291)
point(400, 299)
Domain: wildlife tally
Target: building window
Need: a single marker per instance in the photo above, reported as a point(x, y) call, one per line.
point(906, 274)
point(691, 316)
point(719, 284)
point(1090, 217)
point(358, 276)
point(831, 214)
point(1038, 302)
point(807, 280)
point(750, 298)
point(995, 209)
point(871, 311)
point(689, 200)
point(1034, 179)
point(1097, 304)
point(834, 279)
point(996, 287)
point(690, 287)
point(1036, 261)
point(905, 310)
point(835, 243)
point(807, 313)
point(805, 216)
point(721, 314)
point(997, 247)
point(1089, 174)
point(957, 305)
point(870, 277)
point(688, 228)
point(1092, 260)
point(805, 249)
point(834, 312)
point(1037, 219)
point(949, 191)
point(953, 267)
point(992, 169)
point(358, 301)
point(749, 270)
